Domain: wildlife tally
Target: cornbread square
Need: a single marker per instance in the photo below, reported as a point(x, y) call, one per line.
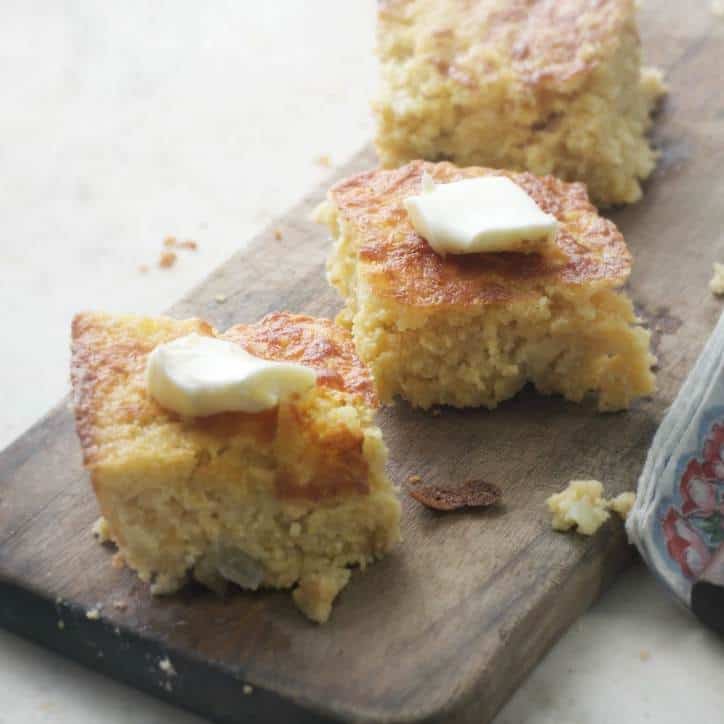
point(529, 85)
point(468, 330)
point(292, 495)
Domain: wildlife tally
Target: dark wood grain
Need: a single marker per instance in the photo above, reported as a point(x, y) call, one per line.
point(450, 624)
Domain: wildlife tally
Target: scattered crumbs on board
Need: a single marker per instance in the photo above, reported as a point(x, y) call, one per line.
point(120, 605)
point(644, 655)
point(143, 268)
point(278, 234)
point(167, 667)
point(247, 689)
point(414, 479)
point(93, 614)
point(220, 298)
point(323, 160)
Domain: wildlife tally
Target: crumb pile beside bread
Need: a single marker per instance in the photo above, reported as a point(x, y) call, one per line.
point(287, 497)
point(549, 87)
point(472, 330)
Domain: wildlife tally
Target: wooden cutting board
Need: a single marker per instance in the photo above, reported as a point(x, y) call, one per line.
point(450, 624)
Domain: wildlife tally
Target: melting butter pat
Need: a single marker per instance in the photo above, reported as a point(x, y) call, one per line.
point(198, 376)
point(483, 214)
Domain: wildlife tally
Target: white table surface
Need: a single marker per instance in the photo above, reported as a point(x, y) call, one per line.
point(122, 123)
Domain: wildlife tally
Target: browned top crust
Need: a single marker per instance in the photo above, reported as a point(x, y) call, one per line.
point(114, 414)
point(398, 263)
point(314, 342)
point(547, 45)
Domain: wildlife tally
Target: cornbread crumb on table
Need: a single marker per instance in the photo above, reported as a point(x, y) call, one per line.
point(167, 259)
point(716, 284)
point(101, 531)
point(472, 330)
point(289, 496)
point(549, 87)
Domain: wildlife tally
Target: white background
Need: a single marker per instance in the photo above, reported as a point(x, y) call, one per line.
point(122, 123)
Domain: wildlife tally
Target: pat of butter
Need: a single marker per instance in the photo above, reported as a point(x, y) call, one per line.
point(483, 214)
point(197, 376)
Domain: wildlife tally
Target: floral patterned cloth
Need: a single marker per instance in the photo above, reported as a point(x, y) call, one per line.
point(678, 520)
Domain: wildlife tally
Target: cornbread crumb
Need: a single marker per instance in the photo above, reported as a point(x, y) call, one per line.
point(167, 667)
point(190, 245)
point(315, 593)
point(120, 605)
point(169, 241)
point(581, 505)
point(220, 298)
point(550, 87)
point(414, 479)
point(623, 503)
point(644, 655)
point(167, 259)
point(61, 624)
point(93, 614)
point(101, 530)
point(324, 160)
point(716, 284)
point(278, 234)
point(143, 268)
point(247, 689)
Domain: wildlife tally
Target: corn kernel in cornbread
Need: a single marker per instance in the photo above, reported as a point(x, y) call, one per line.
point(472, 329)
point(289, 496)
point(548, 87)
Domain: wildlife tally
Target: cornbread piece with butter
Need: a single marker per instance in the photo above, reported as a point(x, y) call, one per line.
point(472, 329)
point(286, 496)
point(548, 87)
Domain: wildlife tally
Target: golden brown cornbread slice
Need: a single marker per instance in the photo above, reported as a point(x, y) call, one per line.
point(548, 87)
point(290, 495)
point(472, 329)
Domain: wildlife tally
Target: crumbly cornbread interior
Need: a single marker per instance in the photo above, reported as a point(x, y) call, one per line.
point(293, 495)
point(549, 87)
point(472, 330)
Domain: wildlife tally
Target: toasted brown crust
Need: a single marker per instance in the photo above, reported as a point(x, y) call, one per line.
point(543, 44)
point(314, 342)
point(471, 494)
point(109, 352)
point(400, 264)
